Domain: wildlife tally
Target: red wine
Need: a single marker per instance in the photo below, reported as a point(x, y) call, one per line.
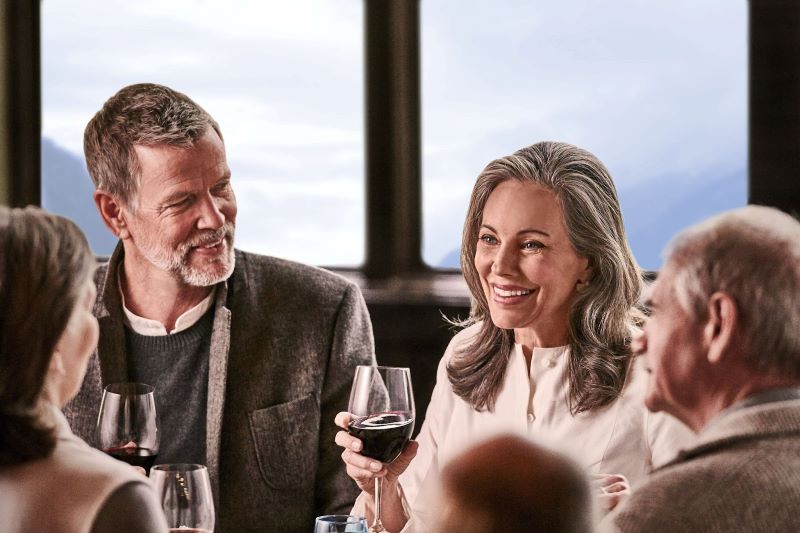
point(143, 457)
point(383, 434)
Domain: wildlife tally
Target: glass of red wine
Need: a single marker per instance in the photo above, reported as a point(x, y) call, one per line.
point(382, 407)
point(127, 426)
point(184, 491)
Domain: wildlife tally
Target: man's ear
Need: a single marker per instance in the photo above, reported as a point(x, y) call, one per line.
point(112, 212)
point(720, 328)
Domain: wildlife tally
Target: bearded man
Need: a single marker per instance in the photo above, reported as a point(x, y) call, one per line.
point(251, 356)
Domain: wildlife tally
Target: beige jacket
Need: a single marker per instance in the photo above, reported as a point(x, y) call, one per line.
point(62, 493)
point(742, 475)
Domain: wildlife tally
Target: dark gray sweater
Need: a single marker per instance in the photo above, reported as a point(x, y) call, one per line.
point(177, 366)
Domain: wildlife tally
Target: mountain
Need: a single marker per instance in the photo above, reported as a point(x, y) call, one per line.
point(655, 212)
point(67, 190)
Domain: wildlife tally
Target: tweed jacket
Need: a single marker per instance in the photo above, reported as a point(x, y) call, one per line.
point(285, 341)
point(742, 475)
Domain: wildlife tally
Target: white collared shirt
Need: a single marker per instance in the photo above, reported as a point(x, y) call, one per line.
point(154, 328)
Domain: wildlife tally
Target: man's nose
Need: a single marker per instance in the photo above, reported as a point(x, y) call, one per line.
point(211, 216)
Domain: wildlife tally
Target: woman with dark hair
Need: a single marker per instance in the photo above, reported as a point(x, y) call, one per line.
point(546, 350)
point(49, 479)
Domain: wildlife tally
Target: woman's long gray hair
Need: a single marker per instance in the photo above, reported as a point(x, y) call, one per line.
point(603, 317)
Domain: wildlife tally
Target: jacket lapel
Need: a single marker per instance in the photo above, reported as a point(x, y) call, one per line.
point(217, 381)
point(108, 309)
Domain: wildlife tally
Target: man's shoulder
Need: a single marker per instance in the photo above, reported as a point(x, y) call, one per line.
point(262, 273)
point(684, 494)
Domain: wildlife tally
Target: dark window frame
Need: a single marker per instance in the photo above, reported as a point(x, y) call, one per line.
point(407, 298)
point(393, 268)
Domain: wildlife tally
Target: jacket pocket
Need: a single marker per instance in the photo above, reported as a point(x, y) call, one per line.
point(285, 437)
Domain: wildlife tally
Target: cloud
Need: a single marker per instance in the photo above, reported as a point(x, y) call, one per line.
point(652, 88)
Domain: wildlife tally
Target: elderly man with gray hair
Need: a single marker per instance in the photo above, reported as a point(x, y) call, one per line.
point(723, 349)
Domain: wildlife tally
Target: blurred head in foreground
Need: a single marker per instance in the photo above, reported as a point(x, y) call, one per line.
point(508, 484)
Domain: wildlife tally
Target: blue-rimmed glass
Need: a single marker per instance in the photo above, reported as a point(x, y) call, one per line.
point(340, 523)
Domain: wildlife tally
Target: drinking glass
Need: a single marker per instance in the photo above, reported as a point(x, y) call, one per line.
point(184, 491)
point(340, 523)
point(127, 426)
point(382, 406)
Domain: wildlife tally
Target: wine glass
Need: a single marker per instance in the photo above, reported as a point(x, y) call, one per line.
point(127, 426)
point(184, 491)
point(382, 406)
point(340, 523)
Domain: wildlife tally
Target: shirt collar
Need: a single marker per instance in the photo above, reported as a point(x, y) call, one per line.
point(153, 328)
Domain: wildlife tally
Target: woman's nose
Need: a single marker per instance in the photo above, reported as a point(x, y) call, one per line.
point(505, 260)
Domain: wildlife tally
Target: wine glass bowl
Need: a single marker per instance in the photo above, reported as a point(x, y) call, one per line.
point(382, 410)
point(127, 425)
point(184, 491)
point(340, 523)
point(383, 435)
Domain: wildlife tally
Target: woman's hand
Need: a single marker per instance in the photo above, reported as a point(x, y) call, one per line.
point(364, 470)
point(610, 490)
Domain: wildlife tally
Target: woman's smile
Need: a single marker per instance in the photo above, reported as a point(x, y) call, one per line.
point(510, 294)
point(527, 264)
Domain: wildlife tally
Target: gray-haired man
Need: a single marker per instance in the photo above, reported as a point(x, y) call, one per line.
point(723, 346)
point(251, 356)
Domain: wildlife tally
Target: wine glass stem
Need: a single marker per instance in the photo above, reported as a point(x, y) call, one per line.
point(377, 526)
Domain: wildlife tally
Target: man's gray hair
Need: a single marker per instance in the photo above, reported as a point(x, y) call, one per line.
point(143, 114)
point(753, 255)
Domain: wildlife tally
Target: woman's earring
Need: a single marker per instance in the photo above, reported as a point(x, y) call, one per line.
point(581, 286)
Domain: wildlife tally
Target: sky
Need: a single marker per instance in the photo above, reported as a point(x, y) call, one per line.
point(657, 90)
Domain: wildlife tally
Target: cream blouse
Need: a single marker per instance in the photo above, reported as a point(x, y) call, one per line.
point(622, 438)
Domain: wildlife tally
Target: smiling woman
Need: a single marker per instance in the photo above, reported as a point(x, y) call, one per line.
point(546, 350)
point(589, 280)
point(528, 268)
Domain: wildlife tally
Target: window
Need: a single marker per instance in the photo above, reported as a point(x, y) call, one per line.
point(656, 90)
point(283, 79)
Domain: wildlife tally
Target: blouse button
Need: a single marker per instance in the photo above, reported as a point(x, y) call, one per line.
point(550, 363)
point(531, 418)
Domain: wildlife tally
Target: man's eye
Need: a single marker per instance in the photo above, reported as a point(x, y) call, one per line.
point(183, 202)
point(222, 187)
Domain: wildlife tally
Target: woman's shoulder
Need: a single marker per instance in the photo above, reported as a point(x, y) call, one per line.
point(463, 338)
point(73, 457)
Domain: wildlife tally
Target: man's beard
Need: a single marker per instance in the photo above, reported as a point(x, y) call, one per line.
point(177, 262)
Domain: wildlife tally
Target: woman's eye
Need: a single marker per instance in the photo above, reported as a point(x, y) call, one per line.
point(532, 245)
point(487, 239)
